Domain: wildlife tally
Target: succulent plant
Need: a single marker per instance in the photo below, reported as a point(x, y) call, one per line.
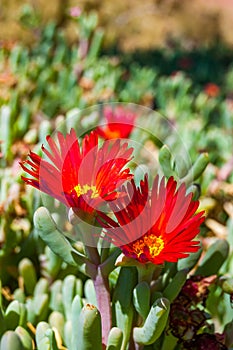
point(57, 291)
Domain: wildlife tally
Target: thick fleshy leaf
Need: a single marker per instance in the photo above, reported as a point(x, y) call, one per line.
point(154, 324)
point(214, 258)
point(48, 231)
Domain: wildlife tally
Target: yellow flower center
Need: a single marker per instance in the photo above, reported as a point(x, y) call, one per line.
point(154, 243)
point(111, 134)
point(80, 190)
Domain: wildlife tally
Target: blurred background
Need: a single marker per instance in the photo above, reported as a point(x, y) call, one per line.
point(135, 24)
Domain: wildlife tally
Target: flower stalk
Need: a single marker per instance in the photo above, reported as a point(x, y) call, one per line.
point(101, 285)
point(103, 302)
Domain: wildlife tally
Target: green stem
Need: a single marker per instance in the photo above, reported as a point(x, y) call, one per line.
point(147, 271)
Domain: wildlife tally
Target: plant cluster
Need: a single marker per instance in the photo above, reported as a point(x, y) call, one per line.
point(123, 238)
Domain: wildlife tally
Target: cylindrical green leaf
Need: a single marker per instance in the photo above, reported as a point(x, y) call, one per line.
point(68, 333)
point(25, 338)
point(115, 339)
point(31, 312)
point(68, 294)
point(53, 262)
point(174, 287)
point(46, 227)
point(40, 330)
point(41, 287)
point(16, 315)
point(165, 159)
point(139, 173)
point(28, 273)
point(124, 320)
point(215, 256)
point(126, 282)
point(141, 298)
point(227, 285)
point(89, 330)
point(79, 287)
point(52, 340)
point(89, 292)
point(6, 133)
point(56, 303)
point(42, 342)
point(57, 320)
point(41, 305)
point(44, 130)
point(190, 261)
point(154, 324)
point(11, 341)
point(19, 295)
point(77, 306)
point(123, 303)
point(197, 169)
point(95, 43)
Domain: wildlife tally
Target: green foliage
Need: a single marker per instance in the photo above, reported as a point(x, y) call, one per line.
point(122, 302)
point(214, 258)
point(89, 329)
point(141, 299)
point(174, 287)
point(154, 324)
point(10, 340)
point(115, 339)
point(47, 298)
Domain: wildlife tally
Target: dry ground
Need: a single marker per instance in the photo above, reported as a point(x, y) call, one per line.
point(135, 23)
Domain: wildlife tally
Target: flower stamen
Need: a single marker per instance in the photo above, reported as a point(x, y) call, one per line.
point(151, 242)
point(81, 190)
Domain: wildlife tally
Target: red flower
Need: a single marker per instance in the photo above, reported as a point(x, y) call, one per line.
point(185, 63)
point(119, 123)
point(82, 179)
point(154, 227)
point(212, 90)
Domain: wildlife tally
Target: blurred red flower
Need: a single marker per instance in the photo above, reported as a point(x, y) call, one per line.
point(154, 227)
point(185, 63)
point(119, 123)
point(212, 90)
point(75, 11)
point(80, 177)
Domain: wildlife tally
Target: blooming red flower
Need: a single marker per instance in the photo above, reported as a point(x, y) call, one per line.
point(212, 90)
point(80, 178)
point(119, 123)
point(154, 227)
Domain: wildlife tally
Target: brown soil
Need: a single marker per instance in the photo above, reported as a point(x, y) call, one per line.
point(135, 23)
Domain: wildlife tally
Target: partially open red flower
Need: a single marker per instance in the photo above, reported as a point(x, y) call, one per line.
point(212, 90)
point(119, 123)
point(154, 227)
point(80, 177)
